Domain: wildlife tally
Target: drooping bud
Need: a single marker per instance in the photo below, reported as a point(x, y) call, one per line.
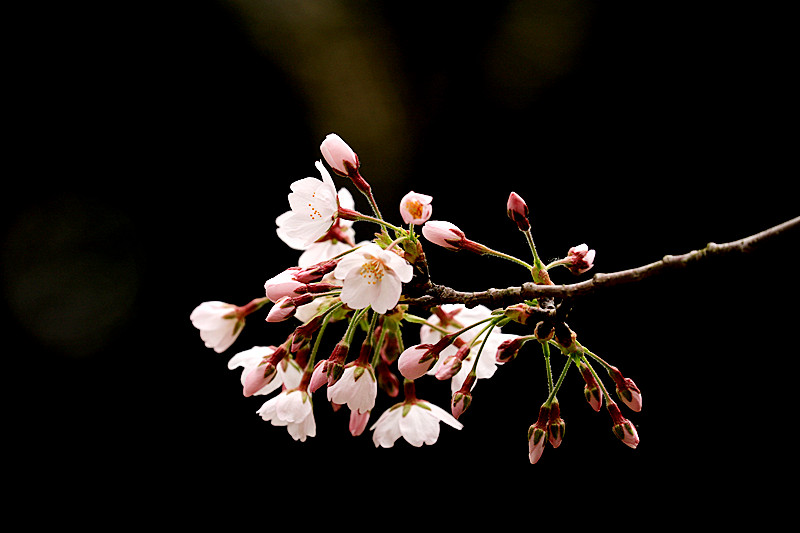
point(462, 398)
point(623, 428)
point(358, 421)
point(591, 390)
point(517, 211)
point(387, 381)
point(335, 366)
point(555, 426)
point(627, 391)
point(537, 434)
point(265, 372)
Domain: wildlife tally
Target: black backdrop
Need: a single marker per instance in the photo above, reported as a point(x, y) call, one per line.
point(153, 146)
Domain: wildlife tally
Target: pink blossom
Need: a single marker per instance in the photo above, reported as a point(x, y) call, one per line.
point(415, 208)
point(580, 259)
point(292, 409)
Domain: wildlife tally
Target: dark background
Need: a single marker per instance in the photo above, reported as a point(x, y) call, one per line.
point(153, 144)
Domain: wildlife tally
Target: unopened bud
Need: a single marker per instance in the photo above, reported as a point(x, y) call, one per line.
point(623, 428)
point(627, 391)
point(517, 211)
point(509, 349)
point(555, 426)
point(537, 434)
point(591, 390)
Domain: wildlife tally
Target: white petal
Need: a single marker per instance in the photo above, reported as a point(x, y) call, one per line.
point(443, 415)
point(357, 293)
point(388, 294)
point(386, 430)
point(419, 427)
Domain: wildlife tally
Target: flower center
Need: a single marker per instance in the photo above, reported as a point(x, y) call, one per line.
point(372, 271)
point(415, 208)
point(313, 211)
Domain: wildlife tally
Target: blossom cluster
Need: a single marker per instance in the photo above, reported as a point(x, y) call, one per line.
point(371, 287)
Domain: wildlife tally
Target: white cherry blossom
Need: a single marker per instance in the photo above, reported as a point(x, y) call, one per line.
point(372, 277)
point(291, 408)
point(417, 422)
point(314, 207)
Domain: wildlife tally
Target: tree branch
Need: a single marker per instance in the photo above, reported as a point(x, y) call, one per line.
point(494, 298)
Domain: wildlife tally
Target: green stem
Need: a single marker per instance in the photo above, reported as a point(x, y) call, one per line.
point(559, 382)
point(598, 380)
point(351, 327)
point(323, 326)
point(546, 351)
point(474, 370)
point(355, 215)
point(595, 357)
point(489, 251)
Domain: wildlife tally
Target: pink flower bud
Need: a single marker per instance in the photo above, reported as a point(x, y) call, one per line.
point(259, 377)
point(537, 433)
point(282, 285)
point(591, 390)
point(623, 429)
point(415, 361)
point(358, 421)
point(283, 309)
point(341, 158)
point(415, 208)
point(517, 211)
point(508, 349)
point(627, 391)
point(460, 402)
point(449, 367)
point(580, 259)
point(319, 376)
point(555, 425)
point(443, 233)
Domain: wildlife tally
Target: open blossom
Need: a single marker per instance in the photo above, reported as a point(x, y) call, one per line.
point(288, 373)
point(291, 408)
point(415, 208)
point(357, 388)
point(218, 323)
point(314, 207)
point(416, 421)
point(460, 316)
point(372, 277)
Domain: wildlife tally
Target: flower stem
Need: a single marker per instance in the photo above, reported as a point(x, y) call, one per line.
point(559, 382)
point(546, 352)
point(325, 320)
point(349, 214)
point(607, 396)
point(488, 251)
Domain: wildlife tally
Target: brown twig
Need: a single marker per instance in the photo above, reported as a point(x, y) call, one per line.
point(494, 298)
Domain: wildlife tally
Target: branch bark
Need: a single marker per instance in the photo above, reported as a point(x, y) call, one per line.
point(494, 298)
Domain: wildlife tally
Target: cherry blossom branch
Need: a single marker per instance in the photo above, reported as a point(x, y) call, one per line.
point(435, 294)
